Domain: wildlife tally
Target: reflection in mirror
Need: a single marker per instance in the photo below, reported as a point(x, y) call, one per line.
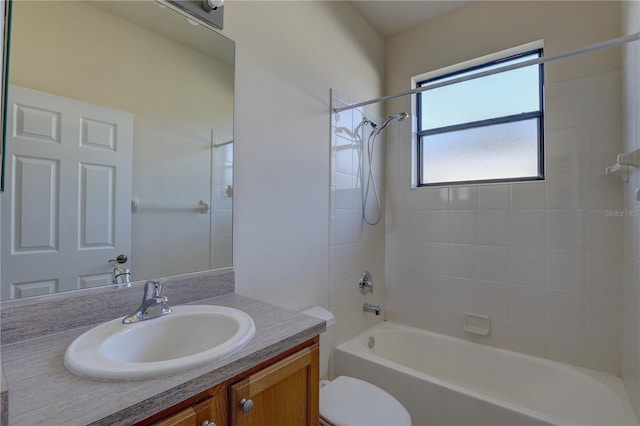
point(119, 142)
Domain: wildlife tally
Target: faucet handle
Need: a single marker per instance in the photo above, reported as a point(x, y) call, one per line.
point(153, 289)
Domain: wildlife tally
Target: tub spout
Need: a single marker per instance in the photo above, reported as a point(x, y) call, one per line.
point(367, 307)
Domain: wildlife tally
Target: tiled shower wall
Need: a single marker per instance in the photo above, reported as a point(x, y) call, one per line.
point(542, 259)
point(631, 213)
point(354, 245)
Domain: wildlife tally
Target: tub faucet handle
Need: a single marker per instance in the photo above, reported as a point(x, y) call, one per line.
point(366, 283)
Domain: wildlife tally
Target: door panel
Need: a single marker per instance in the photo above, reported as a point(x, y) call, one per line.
point(66, 160)
point(35, 219)
point(97, 197)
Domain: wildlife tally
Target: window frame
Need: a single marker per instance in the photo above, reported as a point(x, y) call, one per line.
point(539, 115)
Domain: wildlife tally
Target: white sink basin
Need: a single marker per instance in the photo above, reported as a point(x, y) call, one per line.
point(191, 336)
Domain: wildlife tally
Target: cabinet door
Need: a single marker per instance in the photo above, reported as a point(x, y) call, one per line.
point(212, 410)
point(283, 394)
point(186, 417)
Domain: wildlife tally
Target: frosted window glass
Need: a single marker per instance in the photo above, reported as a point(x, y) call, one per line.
point(500, 151)
point(497, 95)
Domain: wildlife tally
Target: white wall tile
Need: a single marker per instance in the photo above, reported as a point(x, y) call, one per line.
point(565, 148)
point(605, 143)
point(408, 285)
point(479, 297)
point(348, 261)
point(435, 198)
point(409, 198)
point(437, 290)
point(527, 305)
point(494, 196)
point(347, 197)
point(436, 226)
point(568, 270)
point(529, 195)
point(566, 347)
point(493, 263)
point(567, 229)
point(461, 292)
point(604, 98)
point(344, 156)
point(410, 225)
point(463, 198)
point(489, 298)
point(528, 228)
point(567, 189)
point(630, 287)
point(566, 312)
point(605, 272)
point(462, 260)
point(344, 297)
point(463, 226)
point(407, 255)
point(605, 192)
point(604, 231)
point(528, 339)
point(445, 321)
point(436, 258)
point(565, 104)
point(603, 355)
point(348, 227)
point(494, 227)
point(604, 316)
point(630, 357)
point(499, 336)
point(528, 266)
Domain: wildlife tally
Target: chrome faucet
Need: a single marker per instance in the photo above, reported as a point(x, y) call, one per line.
point(121, 274)
point(154, 304)
point(368, 307)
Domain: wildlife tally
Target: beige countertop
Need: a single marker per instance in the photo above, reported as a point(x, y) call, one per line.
point(43, 391)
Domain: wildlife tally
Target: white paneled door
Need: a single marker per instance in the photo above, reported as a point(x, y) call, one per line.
point(67, 206)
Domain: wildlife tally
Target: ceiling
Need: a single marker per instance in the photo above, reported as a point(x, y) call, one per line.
point(390, 17)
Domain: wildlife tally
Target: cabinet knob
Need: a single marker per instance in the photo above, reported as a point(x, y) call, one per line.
point(208, 423)
point(246, 405)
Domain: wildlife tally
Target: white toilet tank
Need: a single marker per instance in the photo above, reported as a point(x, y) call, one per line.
point(326, 338)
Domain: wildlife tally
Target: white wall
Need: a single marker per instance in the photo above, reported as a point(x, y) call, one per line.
point(288, 56)
point(542, 259)
point(630, 12)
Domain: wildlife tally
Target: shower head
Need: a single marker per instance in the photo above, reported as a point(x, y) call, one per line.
point(401, 116)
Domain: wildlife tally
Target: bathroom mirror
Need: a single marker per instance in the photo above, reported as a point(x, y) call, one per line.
point(119, 142)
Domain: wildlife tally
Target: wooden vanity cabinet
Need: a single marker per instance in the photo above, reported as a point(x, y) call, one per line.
point(283, 394)
point(208, 410)
point(283, 391)
point(210, 406)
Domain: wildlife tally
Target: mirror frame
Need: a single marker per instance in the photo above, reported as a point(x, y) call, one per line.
point(4, 43)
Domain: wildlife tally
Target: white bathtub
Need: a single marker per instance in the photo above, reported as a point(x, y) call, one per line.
point(443, 380)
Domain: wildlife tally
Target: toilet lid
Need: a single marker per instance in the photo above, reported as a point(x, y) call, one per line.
point(351, 402)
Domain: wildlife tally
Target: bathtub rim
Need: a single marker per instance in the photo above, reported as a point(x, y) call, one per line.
point(356, 346)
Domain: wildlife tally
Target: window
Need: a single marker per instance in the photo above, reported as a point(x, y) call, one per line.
point(487, 129)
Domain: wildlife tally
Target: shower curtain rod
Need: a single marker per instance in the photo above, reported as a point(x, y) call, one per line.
point(603, 45)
